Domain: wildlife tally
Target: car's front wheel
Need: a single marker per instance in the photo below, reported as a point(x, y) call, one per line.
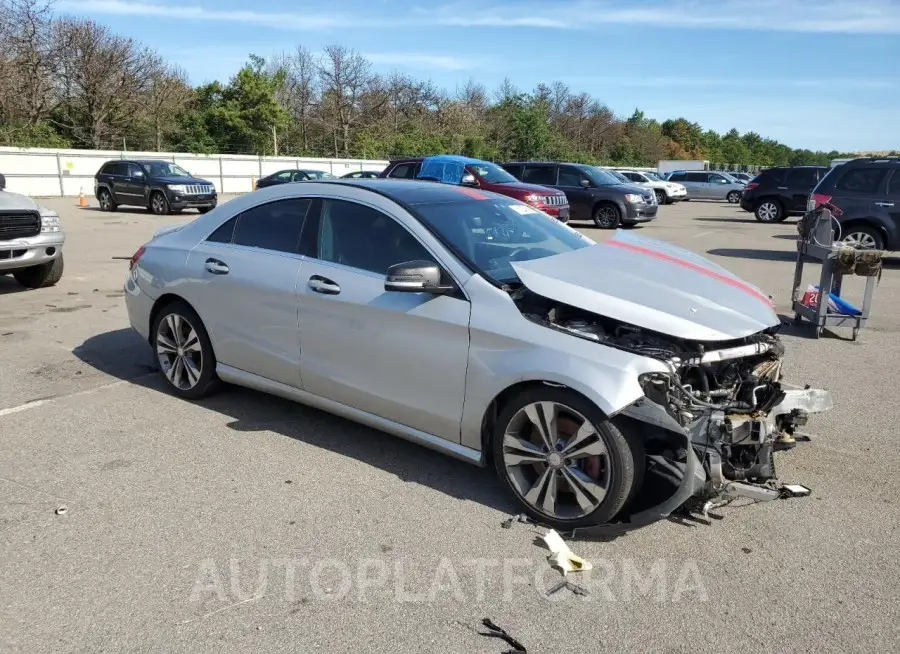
point(42, 275)
point(158, 203)
point(184, 351)
point(661, 197)
point(562, 459)
point(607, 216)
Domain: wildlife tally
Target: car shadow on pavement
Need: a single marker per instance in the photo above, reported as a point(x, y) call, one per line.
point(124, 355)
point(728, 220)
point(758, 255)
point(9, 285)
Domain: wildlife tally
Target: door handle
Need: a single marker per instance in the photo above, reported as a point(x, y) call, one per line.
point(323, 285)
point(216, 267)
point(884, 204)
point(782, 188)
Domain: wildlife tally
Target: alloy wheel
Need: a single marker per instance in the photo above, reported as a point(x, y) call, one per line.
point(660, 197)
point(860, 240)
point(733, 197)
point(767, 211)
point(606, 217)
point(179, 351)
point(556, 460)
point(158, 202)
point(104, 201)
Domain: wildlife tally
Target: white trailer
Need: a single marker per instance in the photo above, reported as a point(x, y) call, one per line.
point(669, 165)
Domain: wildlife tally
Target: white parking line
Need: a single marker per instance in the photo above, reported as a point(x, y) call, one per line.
point(36, 403)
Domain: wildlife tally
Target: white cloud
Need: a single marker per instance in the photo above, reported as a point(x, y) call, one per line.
point(815, 16)
point(420, 61)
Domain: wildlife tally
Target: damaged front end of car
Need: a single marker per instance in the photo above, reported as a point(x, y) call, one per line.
point(710, 425)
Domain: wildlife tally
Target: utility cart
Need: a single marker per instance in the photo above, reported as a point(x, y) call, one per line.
point(826, 308)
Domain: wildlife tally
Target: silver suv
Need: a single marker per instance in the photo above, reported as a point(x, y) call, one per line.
point(31, 241)
point(705, 185)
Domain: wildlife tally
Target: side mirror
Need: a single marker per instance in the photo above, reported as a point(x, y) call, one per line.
point(586, 183)
point(416, 277)
point(468, 179)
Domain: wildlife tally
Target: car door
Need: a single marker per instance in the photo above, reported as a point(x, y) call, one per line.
point(570, 182)
point(243, 284)
point(118, 183)
point(798, 185)
point(399, 356)
point(698, 185)
point(135, 183)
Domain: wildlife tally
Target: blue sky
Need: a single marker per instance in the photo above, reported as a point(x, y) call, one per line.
point(818, 74)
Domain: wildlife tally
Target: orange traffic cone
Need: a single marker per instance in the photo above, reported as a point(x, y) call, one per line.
point(82, 201)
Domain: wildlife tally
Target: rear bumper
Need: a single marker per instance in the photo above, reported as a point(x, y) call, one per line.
point(25, 252)
point(138, 305)
point(747, 204)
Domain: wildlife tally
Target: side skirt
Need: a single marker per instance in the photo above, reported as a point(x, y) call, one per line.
point(249, 380)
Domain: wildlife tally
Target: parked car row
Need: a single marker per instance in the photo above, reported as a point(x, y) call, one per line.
point(708, 185)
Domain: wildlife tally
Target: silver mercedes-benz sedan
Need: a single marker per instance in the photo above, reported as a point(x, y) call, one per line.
point(608, 384)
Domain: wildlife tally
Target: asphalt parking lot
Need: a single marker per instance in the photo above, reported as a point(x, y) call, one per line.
point(245, 521)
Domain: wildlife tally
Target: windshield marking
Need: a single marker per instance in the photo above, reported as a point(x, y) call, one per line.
point(692, 266)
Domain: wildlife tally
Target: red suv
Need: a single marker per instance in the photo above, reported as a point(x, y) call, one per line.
point(491, 177)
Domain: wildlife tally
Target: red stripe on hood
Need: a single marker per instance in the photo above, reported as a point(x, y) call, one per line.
point(472, 193)
point(691, 266)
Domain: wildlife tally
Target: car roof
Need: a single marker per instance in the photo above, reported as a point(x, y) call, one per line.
point(413, 192)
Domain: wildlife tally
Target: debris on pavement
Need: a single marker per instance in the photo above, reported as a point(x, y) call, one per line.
point(506, 524)
point(575, 588)
point(61, 510)
point(495, 631)
point(561, 556)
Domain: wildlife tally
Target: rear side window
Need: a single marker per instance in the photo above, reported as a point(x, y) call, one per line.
point(772, 176)
point(405, 171)
point(545, 175)
point(894, 184)
point(862, 180)
point(802, 178)
point(514, 169)
point(271, 226)
point(697, 177)
point(116, 168)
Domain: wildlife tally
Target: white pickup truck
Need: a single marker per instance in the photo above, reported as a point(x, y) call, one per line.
point(31, 241)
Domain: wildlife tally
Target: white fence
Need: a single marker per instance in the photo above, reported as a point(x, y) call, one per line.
point(41, 172)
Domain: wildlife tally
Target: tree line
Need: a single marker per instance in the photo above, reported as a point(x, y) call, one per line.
point(71, 82)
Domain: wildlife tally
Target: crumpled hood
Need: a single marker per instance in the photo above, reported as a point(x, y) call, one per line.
point(652, 284)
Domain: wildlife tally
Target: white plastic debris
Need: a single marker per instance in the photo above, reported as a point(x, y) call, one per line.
point(561, 556)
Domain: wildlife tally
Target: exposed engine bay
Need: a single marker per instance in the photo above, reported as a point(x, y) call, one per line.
point(728, 397)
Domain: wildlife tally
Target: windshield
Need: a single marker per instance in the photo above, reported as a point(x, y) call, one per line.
point(492, 234)
point(492, 173)
point(653, 177)
point(619, 176)
point(165, 169)
point(599, 176)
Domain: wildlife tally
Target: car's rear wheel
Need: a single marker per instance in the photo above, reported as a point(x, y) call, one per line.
point(607, 216)
point(733, 197)
point(184, 351)
point(158, 203)
point(104, 197)
point(42, 275)
point(562, 459)
point(863, 237)
point(769, 211)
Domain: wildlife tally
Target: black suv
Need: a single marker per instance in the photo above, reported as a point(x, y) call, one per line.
point(779, 192)
point(594, 194)
point(867, 193)
point(161, 186)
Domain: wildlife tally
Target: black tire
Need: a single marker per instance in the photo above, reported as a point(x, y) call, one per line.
point(42, 275)
point(769, 211)
point(107, 203)
point(607, 215)
point(661, 197)
point(208, 382)
point(733, 197)
point(204, 209)
point(868, 230)
point(159, 204)
point(623, 457)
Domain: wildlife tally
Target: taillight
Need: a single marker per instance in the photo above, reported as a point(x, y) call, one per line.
point(751, 186)
point(816, 200)
point(135, 257)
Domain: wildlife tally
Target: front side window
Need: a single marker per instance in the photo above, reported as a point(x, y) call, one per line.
point(405, 171)
point(491, 235)
point(165, 169)
point(360, 237)
point(569, 176)
point(271, 226)
point(284, 176)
